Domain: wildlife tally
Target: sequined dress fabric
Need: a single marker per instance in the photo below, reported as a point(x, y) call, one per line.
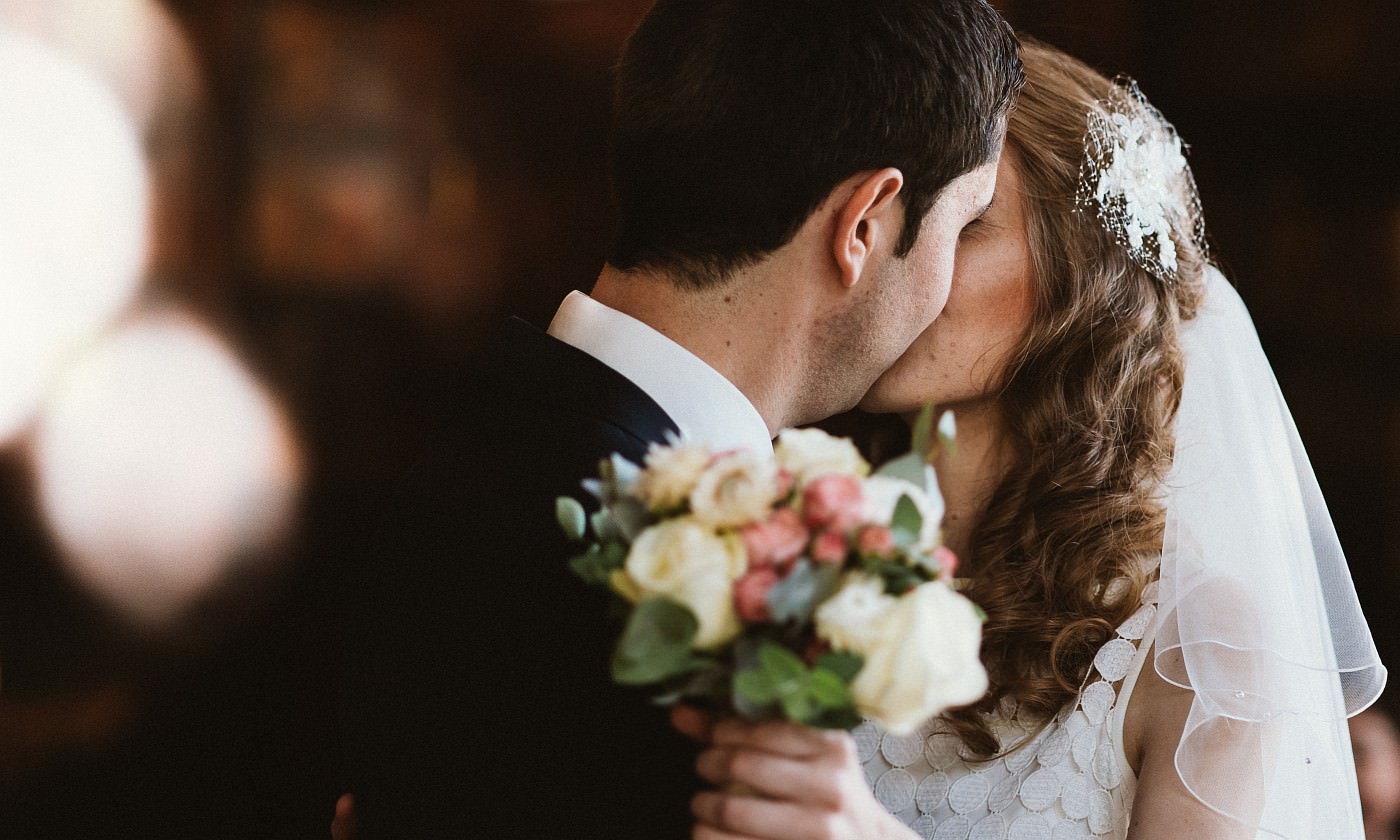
point(1068, 780)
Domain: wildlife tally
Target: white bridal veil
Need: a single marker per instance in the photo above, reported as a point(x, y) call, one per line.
point(1258, 614)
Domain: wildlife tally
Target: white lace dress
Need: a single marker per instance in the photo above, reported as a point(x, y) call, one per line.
point(1069, 780)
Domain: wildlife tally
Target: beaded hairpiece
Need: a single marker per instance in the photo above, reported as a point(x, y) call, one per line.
point(1134, 174)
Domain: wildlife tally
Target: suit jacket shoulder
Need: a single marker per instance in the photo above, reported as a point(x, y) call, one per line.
point(478, 672)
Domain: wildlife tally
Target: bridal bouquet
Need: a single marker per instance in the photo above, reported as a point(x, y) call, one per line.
point(790, 585)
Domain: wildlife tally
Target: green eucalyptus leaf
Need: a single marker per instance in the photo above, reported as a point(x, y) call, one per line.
point(780, 665)
point(897, 577)
point(906, 517)
point(829, 690)
point(602, 525)
point(745, 651)
point(571, 517)
point(922, 438)
point(596, 564)
point(656, 643)
point(614, 555)
point(907, 467)
point(630, 516)
point(841, 663)
point(708, 686)
point(843, 718)
point(799, 706)
point(755, 687)
point(796, 597)
point(746, 662)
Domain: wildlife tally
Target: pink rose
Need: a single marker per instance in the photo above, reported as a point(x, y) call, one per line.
point(875, 541)
point(947, 560)
point(830, 547)
point(786, 481)
point(833, 501)
point(751, 593)
point(777, 540)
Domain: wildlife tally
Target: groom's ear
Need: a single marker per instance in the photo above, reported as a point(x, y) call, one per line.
point(869, 216)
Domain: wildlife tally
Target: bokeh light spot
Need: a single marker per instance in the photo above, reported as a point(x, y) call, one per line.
point(73, 217)
point(163, 467)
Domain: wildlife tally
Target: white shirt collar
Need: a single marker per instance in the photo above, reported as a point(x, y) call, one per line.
point(706, 407)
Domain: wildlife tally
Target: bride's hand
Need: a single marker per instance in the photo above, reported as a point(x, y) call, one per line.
point(808, 785)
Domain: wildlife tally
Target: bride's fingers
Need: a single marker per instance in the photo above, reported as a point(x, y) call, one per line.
point(788, 739)
point(772, 775)
point(728, 815)
point(707, 832)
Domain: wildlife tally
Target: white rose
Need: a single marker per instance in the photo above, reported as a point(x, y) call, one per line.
point(690, 563)
point(849, 619)
point(671, 474)
point(882, 493)
point(925, 660)
point(811, 453)
point(738, 488)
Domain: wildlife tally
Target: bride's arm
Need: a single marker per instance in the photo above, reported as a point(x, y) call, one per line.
point(1163, 809)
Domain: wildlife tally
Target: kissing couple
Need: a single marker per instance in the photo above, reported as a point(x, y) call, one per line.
point(826, 204)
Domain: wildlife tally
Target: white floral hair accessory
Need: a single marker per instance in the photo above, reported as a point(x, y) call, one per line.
point(1135, 176)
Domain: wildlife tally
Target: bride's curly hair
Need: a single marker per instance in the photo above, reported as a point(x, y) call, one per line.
point(1087, 403)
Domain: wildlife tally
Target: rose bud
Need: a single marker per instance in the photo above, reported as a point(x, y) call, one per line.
point(751, 594)
point(875, 541)
point(829, 547)
point(786, 481)
point(947, 560)
point(777, 540)
point(833, 501)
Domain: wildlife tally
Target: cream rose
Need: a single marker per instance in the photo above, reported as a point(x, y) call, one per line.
point(849, 619)
point(882, 493)
point(810, 453)
point(924, 659)
point(688, 562)
point(736, 489)
point(671, 474)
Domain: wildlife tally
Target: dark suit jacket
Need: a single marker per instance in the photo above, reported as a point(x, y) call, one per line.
point(477, 695)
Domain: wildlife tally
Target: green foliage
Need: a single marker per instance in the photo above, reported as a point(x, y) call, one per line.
point(906, 523)
point(656, 643)
point(922, 438)
point(804, 695)
point(630, 516)
point(841, 663)
point(843, 718)
point(571, 517)
point(795, 597)
point(828, 689)
point(597, 564)
point(908, 467)
point(707, 687)
point(898, 577)
point(604, 529)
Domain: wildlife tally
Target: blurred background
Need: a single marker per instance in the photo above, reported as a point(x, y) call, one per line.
point(245, 248)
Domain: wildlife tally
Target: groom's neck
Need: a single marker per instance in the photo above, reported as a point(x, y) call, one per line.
point(749, 329)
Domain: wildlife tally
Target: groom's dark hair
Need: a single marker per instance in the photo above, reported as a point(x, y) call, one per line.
point(734, 119)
